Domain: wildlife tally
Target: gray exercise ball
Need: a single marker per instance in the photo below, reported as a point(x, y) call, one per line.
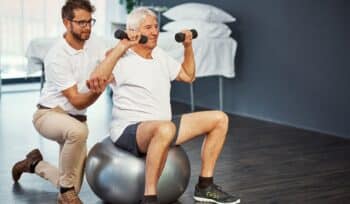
point(116, 176)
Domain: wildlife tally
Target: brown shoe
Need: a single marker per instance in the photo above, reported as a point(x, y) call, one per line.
point(26, 165)
point(68, 197)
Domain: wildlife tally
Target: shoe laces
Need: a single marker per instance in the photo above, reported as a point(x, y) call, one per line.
point(220, 192)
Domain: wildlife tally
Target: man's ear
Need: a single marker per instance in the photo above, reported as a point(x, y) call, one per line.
point(67, 24)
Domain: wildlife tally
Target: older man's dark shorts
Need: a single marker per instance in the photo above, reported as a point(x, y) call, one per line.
point(127, 140)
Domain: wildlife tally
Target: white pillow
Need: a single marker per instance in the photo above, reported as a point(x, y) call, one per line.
point(207, 29)
point(198, 11)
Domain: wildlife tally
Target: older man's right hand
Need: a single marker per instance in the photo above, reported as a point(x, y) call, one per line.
point(134, 38)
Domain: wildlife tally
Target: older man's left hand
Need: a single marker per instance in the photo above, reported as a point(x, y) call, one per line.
point(188, 38)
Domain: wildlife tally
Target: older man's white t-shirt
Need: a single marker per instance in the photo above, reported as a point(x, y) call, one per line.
point(141, 91)
point(65, 67)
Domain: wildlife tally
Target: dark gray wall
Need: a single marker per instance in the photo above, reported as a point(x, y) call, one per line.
point(292, 64)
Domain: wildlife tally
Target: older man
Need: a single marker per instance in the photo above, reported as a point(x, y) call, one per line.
point(142, 119)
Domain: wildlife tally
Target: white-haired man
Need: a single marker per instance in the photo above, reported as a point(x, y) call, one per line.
point(142, 120)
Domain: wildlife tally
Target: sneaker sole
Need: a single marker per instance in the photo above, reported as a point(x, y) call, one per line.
point(214, 201)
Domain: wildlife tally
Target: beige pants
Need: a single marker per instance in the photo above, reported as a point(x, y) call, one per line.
point(71, 135)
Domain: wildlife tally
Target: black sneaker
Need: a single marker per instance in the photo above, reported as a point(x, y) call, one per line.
point(149, 201)
point(214, 194)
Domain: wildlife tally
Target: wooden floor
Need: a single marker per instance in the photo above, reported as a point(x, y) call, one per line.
point(262, 162)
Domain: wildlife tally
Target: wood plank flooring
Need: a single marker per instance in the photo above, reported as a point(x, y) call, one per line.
point(262, 162)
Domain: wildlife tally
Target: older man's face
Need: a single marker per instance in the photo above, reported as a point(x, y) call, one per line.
point(149, 28)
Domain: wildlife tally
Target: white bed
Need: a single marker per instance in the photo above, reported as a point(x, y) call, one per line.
point(214, 57)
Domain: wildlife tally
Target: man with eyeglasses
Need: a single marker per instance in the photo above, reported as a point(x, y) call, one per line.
point(62, 106)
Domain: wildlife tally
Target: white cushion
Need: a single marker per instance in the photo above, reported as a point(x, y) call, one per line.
point(204, 29)
point(198, 11)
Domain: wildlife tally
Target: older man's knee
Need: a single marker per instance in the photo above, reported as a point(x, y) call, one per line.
point(221, 118)
point(166, 132)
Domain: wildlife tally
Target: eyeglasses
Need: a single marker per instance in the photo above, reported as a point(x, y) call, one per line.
point(83, 23)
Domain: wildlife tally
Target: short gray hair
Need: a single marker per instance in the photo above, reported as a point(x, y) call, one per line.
point(136, 16)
